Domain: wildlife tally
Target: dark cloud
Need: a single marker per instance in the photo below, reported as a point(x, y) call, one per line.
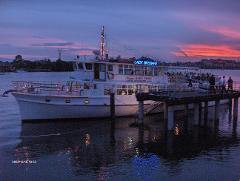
point(54, 44)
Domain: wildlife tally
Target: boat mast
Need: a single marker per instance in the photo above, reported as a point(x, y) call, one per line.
point(103, 51)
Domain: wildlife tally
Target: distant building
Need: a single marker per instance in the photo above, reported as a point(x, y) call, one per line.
point(18, 58)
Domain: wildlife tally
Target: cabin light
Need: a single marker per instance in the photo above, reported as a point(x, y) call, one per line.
point(86, 101)
point(177, 130)
point(137, 151)
point(130, 141)
point(87, 139)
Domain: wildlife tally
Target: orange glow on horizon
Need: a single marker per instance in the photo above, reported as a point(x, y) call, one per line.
point(204, 50)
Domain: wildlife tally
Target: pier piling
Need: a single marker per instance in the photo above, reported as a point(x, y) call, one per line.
point(217, 106)
point(200, 114)
point(165, 115)
point(112, 106)
point(172, 101)
point(205, 113)
point(235, 109)
point(196, 114)
point(170, 117)
point(216, 113)
point(230, 110)
point(186, 123)
point(140, 112)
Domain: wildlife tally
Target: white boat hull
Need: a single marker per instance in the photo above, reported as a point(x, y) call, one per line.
point(32, 110)
point(35, 107)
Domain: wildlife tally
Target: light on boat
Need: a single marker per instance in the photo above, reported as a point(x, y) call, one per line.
point(86, 101)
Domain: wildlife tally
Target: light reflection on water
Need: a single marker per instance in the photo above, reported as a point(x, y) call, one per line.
point(95, 150)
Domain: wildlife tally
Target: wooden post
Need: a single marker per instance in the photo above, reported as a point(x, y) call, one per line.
point(112, 105)
point(112, 114)
point(186, 118)
point(205, 113)
point(200, 114)
point(170, 118)
point(165, 116)
point(216, 115)
point(140, 112)
point(196, 114)
point(235, 109)
point(230, 110)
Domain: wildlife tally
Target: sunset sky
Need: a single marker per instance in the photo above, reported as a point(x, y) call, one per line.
point(176, 30)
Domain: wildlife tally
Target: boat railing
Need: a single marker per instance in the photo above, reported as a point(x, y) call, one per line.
point(52, 88)
point(74, 88)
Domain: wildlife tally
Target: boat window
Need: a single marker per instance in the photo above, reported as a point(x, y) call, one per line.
point(102, 68)
point(86, 86)
point(148, 71)
point(153, 88)
point(155, 71)
point(130, 90)
point(67, 101)
point(139, 70)
point(107, 91)
point(128, 69)
point(80, 66)
point(75, 66)
point(88, 66)
point(120, 69)
point(110, 67)
point(122, 90)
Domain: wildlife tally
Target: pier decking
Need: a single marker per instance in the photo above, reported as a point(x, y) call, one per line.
point(198, 98)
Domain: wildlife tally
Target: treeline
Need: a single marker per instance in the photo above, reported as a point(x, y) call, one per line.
point(208, 64)
point(64, 66)
point(43, 65)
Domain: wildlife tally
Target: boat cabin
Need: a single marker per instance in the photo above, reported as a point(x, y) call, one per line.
point(139, 70)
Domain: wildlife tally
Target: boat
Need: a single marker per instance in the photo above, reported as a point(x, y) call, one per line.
point(86, 94)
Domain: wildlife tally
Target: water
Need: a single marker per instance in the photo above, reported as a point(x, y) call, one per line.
point(93, 150)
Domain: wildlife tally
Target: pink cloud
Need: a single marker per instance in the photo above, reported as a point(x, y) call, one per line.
point(205, 50)
point(225, 31)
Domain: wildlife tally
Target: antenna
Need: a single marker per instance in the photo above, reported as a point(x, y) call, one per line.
point(103, 50)
point(59, 54)
point(102, 44)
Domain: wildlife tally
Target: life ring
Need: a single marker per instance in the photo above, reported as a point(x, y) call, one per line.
point(110, 76)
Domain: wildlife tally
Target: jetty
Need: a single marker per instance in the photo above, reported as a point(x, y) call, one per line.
point(198, 100)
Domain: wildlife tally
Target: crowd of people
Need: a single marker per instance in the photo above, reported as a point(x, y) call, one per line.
point(214, 82)
point(221, 83)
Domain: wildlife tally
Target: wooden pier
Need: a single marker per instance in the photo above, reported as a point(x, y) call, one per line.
point(197, 98)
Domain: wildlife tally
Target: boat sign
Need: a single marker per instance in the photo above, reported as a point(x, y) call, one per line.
point(145, 62)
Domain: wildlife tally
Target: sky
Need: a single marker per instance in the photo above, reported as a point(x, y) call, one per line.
point(176, 30)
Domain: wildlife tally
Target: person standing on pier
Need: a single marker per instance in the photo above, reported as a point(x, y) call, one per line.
point(230, 83)
point(212, 84)
point(223, 84)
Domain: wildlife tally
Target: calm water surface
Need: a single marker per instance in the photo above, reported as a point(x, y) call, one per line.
point(93, 150)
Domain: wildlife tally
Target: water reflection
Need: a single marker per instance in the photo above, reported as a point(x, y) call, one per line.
point(97, 149)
